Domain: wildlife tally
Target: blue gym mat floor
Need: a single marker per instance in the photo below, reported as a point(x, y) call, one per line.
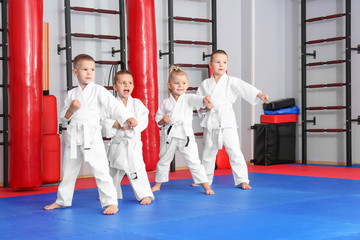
point(278, 207)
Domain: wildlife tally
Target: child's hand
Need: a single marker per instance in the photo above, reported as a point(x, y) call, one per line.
point(132, 122)
point(116, 125)
point(207, 99)
point(126, 127)
point(209, 106)
point(166, 118)
point(75, 105)
point(263, 97)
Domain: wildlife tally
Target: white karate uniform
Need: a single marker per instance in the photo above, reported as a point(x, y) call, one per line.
point(179, 135)
point(84, 142)
point(220, 123)
point(125, 151)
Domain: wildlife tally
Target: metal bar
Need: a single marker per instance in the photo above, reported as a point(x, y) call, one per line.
point(325, 40)
point(171, 31)
point(326, 17)
point(326, 108)
point(85, 9)
point(192, 88)
point(68, 45)
point(189, 19)
point(327, 63)
point(314, 19)
point(201, 20)
point(303, 83)
point(214, 23)
point(336, 15)
point(107, 11)
point(326, 85)
point(348, 83)
point(122, 34)
point(108, 62)
point(189, 65)
point(171, 51)
point(87, 35)
point(192, 42)
point(335, 84)
point(5, 94)
point(327, 130)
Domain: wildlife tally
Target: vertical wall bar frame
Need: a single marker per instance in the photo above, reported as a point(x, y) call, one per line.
point(214, 25)
point(69, 83)
point(348, 83)
point(171, 31)
point(122, 34)
point(303, 83)
point(5, 94)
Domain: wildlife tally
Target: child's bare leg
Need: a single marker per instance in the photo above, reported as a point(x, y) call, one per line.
point(207, 188)
point(244, 186)
point(156, 187)
point(54, 205)
point(145, 201)
point(111, 209)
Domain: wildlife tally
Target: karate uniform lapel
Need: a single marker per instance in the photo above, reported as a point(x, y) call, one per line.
point(128, 143)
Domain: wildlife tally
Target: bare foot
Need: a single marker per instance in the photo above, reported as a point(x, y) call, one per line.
point(98, 198)
point(145, 201)
point(111, 209)
point(244, 186)
point(156, 187)
point(207, 188)
point(53, 206)
point(193, 184)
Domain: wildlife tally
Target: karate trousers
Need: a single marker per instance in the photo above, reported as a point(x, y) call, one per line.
point(139, 183)
point(232, 147)
point(191, 156)
point(99, 166)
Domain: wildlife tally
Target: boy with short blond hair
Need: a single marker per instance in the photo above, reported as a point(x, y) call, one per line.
point(83, 109)
point(219, 119)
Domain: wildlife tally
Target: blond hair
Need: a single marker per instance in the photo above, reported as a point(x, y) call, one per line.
point(174, 71)
point(82, 57)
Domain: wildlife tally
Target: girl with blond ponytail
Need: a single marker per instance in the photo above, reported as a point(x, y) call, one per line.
point(174, 118)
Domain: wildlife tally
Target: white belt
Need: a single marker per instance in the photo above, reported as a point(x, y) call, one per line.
point(73, 139)
point(210, 127)
point(130, 150)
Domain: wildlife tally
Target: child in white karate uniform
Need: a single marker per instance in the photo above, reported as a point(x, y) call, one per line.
point(174, 117)
point(219, 119)
point(83, 110)
point(125, 149)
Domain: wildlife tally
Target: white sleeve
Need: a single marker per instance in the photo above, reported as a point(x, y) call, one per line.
point(141, 116)
point(200, 111)
point(195, 100)
point(64, 109)
point(160, 113)
point(113, 107)
point(245, 90)
point(107, 128)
